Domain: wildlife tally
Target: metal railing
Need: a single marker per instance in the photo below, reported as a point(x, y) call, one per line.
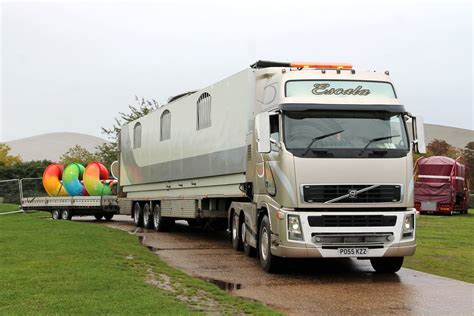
point(10, 192)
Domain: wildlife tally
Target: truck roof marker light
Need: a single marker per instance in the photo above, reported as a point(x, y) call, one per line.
point(301, 65)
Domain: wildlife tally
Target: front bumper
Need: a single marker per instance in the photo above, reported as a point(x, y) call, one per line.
point(399, 246)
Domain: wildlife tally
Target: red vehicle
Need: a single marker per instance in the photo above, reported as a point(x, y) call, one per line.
point(441, 185)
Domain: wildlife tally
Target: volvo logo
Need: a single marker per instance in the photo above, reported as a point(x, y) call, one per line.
point(353, 194)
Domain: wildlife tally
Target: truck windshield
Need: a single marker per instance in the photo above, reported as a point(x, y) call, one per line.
point(363, 134)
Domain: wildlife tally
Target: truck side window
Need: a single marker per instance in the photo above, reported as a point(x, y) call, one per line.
point(274, 130)
point(137, 136)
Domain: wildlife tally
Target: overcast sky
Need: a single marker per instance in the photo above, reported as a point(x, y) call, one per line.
point(72, 66)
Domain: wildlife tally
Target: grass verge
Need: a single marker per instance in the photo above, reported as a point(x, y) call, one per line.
point(6, 208)
point(445, 246)
point(67, 267)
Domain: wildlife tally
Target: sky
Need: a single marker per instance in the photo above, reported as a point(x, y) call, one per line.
point(71, 66)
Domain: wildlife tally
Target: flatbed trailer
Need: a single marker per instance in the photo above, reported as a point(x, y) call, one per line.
point(68, 206)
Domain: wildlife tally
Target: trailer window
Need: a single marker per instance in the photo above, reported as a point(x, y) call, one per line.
point(165, 124)
point(137, 136)
point(203, 111)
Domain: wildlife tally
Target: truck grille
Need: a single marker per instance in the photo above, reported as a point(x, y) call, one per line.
point(351, 221)
point(348, 193)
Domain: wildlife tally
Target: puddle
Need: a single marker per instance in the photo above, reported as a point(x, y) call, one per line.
point(134, 231)
point(141, 240)
point(223, 285)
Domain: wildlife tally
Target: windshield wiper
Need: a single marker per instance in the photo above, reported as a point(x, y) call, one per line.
point(319, 138)
point(374, 140)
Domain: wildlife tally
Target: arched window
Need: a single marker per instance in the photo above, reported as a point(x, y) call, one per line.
point(203, 111)
point(165, 125)
point(137, 136)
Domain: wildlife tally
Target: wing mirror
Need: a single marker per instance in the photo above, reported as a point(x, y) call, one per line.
point(262, 128)
point(418, 134)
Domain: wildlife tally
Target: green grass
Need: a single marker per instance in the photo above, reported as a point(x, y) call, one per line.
point(67, 267)
point(5, 208)
point(445, 246)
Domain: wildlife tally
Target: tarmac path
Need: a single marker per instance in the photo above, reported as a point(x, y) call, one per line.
point(329, 286)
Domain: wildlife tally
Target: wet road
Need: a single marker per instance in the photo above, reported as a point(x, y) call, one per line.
point(331, 286)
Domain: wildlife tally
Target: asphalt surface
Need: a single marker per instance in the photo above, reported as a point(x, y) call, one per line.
point(330, 286)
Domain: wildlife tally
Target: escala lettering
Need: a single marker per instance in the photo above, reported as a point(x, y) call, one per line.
point(325, 89)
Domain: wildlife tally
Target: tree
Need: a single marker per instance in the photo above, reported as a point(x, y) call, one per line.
point(439, 147)
point(108, 153)
point(78, 154)
point(5, 158)
point(468, 154)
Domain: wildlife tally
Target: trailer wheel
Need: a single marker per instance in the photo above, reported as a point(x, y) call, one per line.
point(66, 215)
point(98, 216)
point(137, 215)
point(387, 264)
point(269, 262)
point(56, 214)
point(248, 250)
point(147, 216)
point(108, 216)
point(236, 240)
point(159, 223)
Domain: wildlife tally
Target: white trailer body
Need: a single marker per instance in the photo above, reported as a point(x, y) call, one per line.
point(207, 161)
point(302, 161)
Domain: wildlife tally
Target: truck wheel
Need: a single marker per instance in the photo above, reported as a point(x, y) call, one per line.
point(66, 215)
point(159, 224)
point(147, 216)
point(387, 264)
point(56, 214)
point(98, 216)
point(269, 262)
point(108, 216)
point(248, 250)
point(137, 215)
point(236, 241)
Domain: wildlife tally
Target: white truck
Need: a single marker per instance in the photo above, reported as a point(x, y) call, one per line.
point(298, 159)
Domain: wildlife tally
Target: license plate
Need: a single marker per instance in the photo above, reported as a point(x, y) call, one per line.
point(352, 252)
point(428, 206)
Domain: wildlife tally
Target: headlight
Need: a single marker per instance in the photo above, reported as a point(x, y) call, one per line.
point(409, 223)
point(294, 228)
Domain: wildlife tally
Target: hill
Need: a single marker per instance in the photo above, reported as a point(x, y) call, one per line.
point(457, 137)
point(51, 146)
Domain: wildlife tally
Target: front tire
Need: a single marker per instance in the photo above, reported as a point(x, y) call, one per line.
point(147, 216)
point(137, 215)
point(66, 215)
point(387, 264)
point(269, 262)
point(56, 215)
point(108, 216)
point(98, 216)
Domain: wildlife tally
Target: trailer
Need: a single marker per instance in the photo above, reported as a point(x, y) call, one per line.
point(65, 207)
point(298, 160)
point(442, 185)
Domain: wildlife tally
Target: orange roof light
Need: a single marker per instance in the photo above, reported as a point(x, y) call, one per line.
point(321, 65)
